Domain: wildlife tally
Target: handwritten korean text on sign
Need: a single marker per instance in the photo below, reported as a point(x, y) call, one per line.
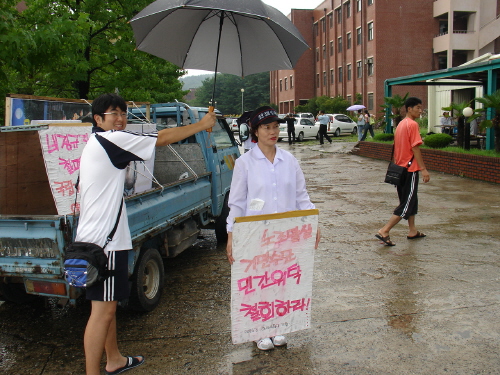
point(62, 147)
point(271, 278)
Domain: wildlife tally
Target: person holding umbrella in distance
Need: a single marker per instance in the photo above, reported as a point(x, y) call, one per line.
point(266, 180)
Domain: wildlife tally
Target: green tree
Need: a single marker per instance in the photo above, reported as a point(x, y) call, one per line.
point(228, 92)
point(336, 104)
point(493, 103)
point(80, 49)
point(394, 103)
point(456, 110)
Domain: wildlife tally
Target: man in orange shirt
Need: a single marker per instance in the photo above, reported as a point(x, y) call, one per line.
point(407, 141)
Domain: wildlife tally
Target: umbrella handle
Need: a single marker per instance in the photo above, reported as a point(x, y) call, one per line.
point(210, 109)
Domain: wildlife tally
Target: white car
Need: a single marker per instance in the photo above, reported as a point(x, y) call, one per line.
point(307, 115)
point(304, 128)
point(340, 124)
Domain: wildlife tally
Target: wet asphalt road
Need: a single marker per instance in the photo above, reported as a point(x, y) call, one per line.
point(426, 306)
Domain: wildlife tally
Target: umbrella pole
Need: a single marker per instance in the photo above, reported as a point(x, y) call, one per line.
point(212, 101)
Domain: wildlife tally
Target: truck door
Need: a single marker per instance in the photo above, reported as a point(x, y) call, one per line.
point(226, 152)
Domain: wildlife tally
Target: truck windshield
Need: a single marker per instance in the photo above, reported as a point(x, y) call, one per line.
point(221, 137)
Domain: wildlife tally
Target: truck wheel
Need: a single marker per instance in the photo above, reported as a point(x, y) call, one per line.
point(147, 281)
point(300, 138)
point(220, 222)
point(16, 293)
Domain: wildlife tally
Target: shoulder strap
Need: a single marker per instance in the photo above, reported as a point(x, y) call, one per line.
point(113, 231)
point(392, 154)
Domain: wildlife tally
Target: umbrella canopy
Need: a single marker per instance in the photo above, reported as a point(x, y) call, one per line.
point(356, 107)
point(238, 37)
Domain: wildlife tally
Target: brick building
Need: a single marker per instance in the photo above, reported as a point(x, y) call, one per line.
point(357, 44)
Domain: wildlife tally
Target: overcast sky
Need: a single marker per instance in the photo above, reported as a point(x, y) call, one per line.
point(284, 6)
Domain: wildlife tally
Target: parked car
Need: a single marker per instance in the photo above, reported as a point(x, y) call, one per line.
point(305, 115)
point(304, 128)
point(340, 124)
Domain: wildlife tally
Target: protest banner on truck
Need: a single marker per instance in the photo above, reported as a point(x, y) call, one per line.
point(62, 146)
point(272, 274)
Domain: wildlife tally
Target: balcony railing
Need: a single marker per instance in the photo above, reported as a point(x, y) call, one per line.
point(455, 32)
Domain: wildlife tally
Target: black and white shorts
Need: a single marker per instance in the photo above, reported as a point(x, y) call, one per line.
point(408, 200)
point(116, 286)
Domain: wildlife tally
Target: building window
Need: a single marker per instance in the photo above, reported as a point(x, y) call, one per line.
point(317, 80)
point(325, 82)
point(358, 36)
point(291, 82)
point(349, 40)
point(332, 76)
point(315, 29)
point(338, 14)
point(349, 99)
point(349, 72)
point(286, 84)
point(281, 85)
point(341, 73)
point(358, 5)
point(331, 48)
point(330, 20)
point(324, 51)
point(323, 25)
point(370, 66)
point(359, 69)
point(347, 9)
point(370, 2)
point(317, 54)
point(370, 30)
point(339, 44)
point(370, 100)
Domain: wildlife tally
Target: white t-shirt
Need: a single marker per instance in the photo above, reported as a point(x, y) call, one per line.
point(102, 176)
point(261, 187)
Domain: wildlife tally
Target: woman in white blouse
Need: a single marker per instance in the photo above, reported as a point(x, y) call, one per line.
point(266, 180)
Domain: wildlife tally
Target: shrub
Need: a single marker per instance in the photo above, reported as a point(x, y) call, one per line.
point(384, 137)
point(439, 140)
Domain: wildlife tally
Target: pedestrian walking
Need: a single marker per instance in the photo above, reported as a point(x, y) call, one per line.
point(407, 141)
point(103, 167)
point(360, 124)
point(323, 125)
point(266, 180)
point(290, 128)
point(368, 125)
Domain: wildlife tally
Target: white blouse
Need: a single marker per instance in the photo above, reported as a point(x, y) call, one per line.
point(260, 187)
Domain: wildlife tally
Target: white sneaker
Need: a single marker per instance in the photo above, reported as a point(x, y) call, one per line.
point(279, 340)
point(265, 344)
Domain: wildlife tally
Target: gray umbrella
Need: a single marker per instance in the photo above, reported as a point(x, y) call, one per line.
point(239, 37)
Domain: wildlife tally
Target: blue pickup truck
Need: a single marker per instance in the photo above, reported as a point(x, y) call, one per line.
point(193, 181)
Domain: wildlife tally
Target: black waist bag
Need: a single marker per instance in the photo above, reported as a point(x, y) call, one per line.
point(396, 174)
point(85, 263)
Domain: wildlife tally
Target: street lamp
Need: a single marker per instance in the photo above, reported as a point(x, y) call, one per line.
point(242, 91)
point(467, 112)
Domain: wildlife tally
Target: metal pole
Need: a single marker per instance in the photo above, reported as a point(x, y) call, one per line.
point(242, 91)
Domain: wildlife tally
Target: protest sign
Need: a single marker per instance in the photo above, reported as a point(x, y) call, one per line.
point(62, 147)
point(272, 274)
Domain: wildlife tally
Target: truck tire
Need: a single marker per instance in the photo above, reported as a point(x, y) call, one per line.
point(220, 222)
point(16, 293)
point(147, 281)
